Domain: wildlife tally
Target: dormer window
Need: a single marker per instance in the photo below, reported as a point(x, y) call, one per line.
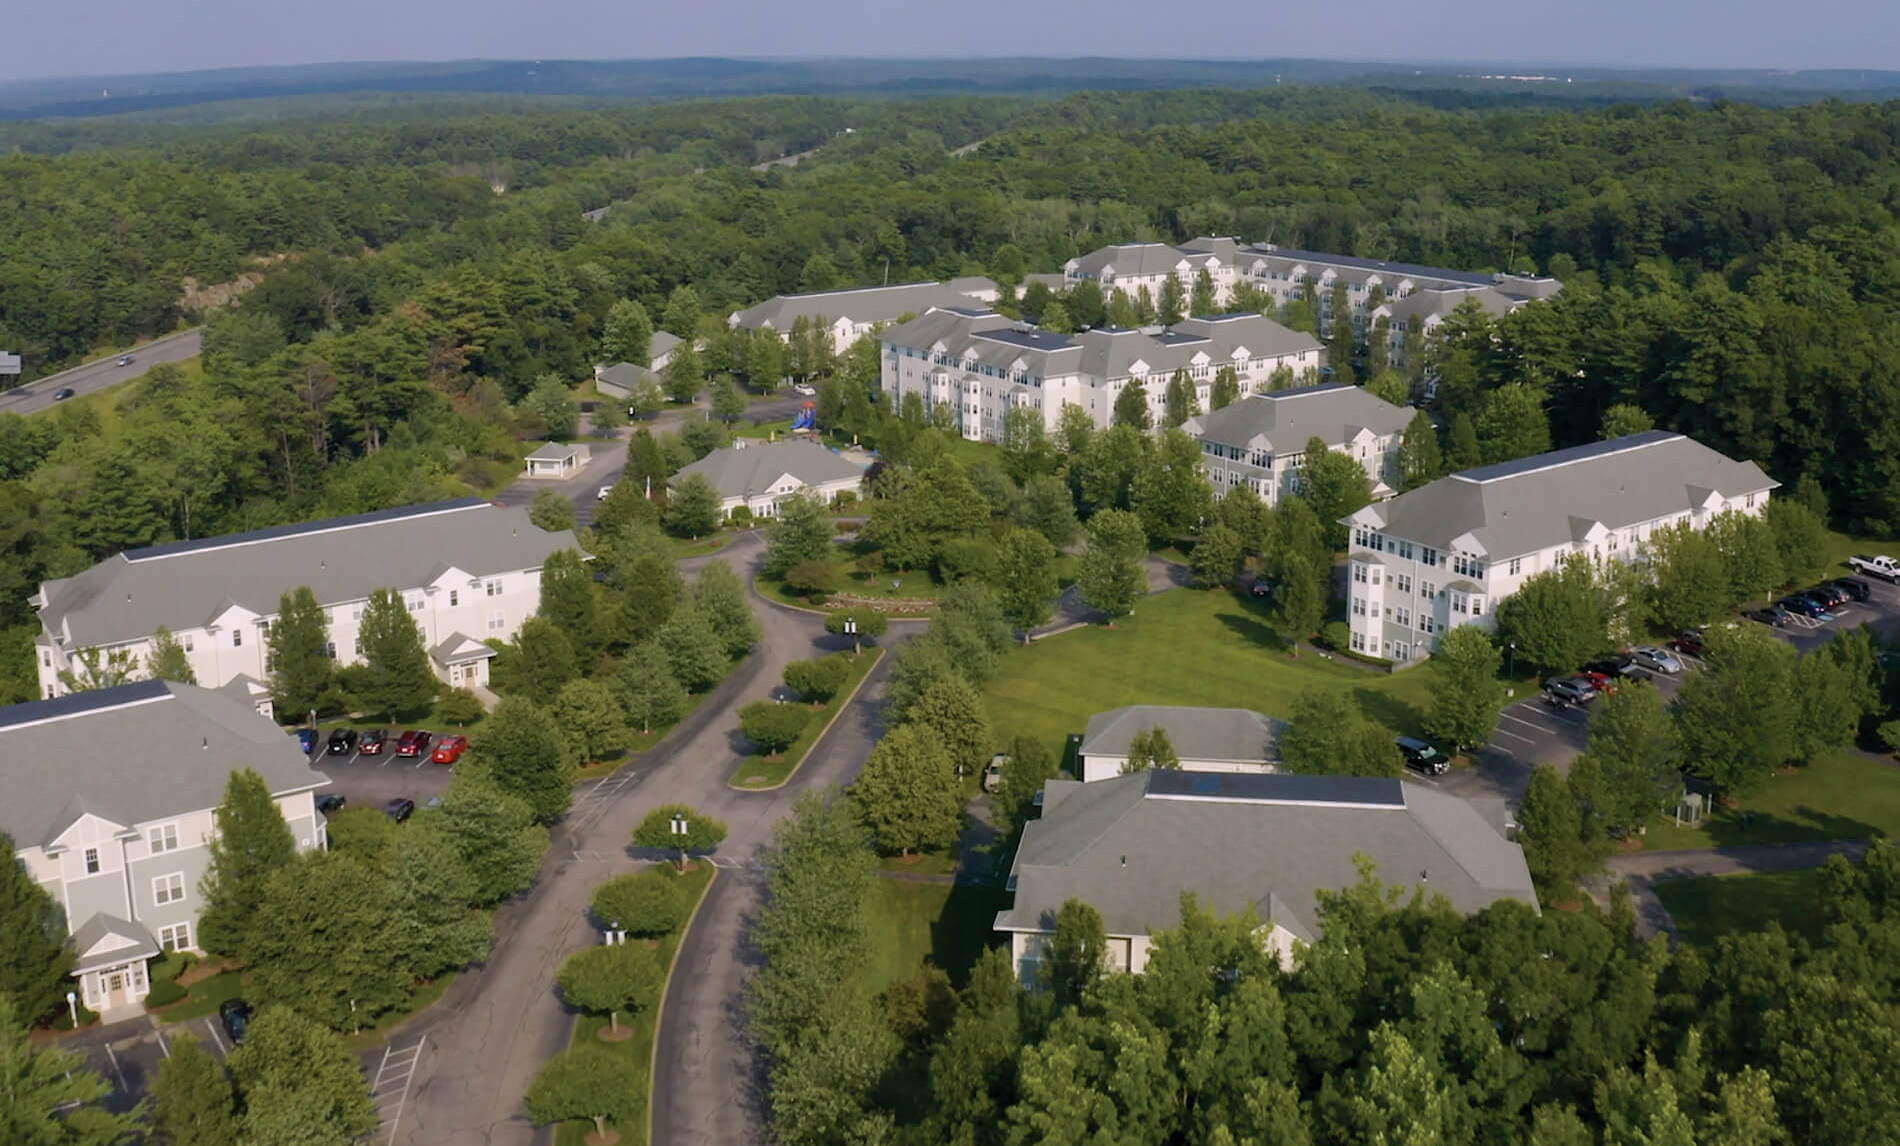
point(92, 861)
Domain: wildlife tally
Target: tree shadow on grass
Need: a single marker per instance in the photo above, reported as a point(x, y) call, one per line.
point(1738, 827)
point(1388, 710)
point(1250, 625)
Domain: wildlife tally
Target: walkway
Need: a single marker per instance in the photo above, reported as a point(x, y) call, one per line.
point(1643, 870)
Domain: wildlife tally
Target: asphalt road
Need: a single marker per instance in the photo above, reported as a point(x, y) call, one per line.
point(101, 375)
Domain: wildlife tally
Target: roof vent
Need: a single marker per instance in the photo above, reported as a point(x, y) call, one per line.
point(205, 744)
point(1424, 876)
point(1124, 861)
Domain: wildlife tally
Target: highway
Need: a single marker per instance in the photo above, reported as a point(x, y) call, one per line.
point(101, 375)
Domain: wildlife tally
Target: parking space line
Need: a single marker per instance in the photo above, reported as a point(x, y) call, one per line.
point(1515, 736)
point(114, 1059)
point(216, 1037)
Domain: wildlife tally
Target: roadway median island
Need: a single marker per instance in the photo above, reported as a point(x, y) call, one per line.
point(758, 772)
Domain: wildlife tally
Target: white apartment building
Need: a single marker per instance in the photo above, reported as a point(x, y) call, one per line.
point(110, 797)
point(1260, 441)
point(1135, 267)
point(982, 363)
point(468, 570)
point(848, 315)
point(1446, 553)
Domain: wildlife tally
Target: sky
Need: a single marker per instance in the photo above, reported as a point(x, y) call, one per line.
point(108, 37)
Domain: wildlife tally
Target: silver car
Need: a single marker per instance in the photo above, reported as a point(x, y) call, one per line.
point(1656, 660)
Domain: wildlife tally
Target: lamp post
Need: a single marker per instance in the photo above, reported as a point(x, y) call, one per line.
point(680, 828)
point(72, 1008)
point(1510, 649)
point(851, 630)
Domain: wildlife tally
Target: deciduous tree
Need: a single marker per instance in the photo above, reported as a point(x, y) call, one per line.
point(816, 681)
point(773, 726)
point(720, 597)
point(953, 710)
point(1336, 486)
point(537, 662)
point(647, 904)
point(612, 978)
point(693, 649)
point(692, 508)
point(192, 1097)
point(168, 661)
point(589, 1083)
point(323, 940)
point(679, 828)
point(648, 691)
point(1465, 690)
point(591, 718)
point(1327, 734)
point(527, 755)
point(907, 792)
point(494, 833)
point(858, 624)
point(1025, 578)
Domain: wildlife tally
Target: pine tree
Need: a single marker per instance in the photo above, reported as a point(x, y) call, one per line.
point(167, 660)
point(1420, 460)
point(571, 602)
point(253, 841)
point(1179, 402)
point(627, 334)
point(195, 1105)
point(1131, 406)
point(1465, 453)
point(34, 960)
point(1173, 301)
point(1226, 389)
point(537, 662)
point(720, 597)
point(299, 644)
point(692, 509)
point(396, 677)
point(1201, 301)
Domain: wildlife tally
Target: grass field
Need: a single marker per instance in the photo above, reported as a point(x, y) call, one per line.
point(1718, 905)
point(639, 1048)
point(756, 771)
point(1839, 797)
point(1188, 647)
point(947, 924)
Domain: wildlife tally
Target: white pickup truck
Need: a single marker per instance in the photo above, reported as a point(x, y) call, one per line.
point(1883, 567)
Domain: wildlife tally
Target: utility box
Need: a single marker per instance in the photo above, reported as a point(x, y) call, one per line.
point(9, 363)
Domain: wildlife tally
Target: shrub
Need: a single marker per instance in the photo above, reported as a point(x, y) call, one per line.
point(817, 680)
point(845, 499)
point(1336, 636)
point(164, 992)
point(741, 515)
point(772, 726)
point(460, 707)
point(811, 577)
point(966, 558)
point(648, 904)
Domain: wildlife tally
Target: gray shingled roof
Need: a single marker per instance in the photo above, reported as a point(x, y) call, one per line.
point(1535, 503)
point(1131, 845)
point(132, 754)
point(750, 471)
point(139, 943)
point(1283, 420)
point(186, 584)
point(661, 344)
point(863, 304)
point(991, 339)
point(1213, 734)
point(1133, 259)
point(555, 451)
point(1427, 303)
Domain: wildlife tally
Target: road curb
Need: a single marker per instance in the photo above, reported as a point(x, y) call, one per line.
point(877, 659)
point(659, 1006)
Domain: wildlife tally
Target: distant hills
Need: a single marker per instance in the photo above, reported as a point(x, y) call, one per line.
point(160, 96)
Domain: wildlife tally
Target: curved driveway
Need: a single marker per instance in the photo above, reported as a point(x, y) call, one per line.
point(498, 1024)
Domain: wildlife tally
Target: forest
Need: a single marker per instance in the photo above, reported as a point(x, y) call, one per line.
point(394, 286)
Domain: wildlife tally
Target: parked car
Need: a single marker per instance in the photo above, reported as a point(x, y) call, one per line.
point(399, 809)
point(1854, 587)
point(125, 360)
point(604, 491)
point(235, 1016)
point(1603, 682)
point(1830, 596)
point(1612, 665)
point(371, 742)
point(1656, 660)
point(805, 389)
point(1773, 615)
point(1806, 607)
point(330, 804)
point(414, 742)
point(342, 741)
point(1883, 567)
point(1568, 691)
point(63, 393)
point(1260, 588)
point(1423, 757)
point(993, 772)
point(1688, 641)
point(306, 739)
point(449, 749)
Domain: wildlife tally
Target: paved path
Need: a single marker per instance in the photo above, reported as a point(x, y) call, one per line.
point(101, 375)
point(1643, 870)
point(1072, 613)
point(498, 1024)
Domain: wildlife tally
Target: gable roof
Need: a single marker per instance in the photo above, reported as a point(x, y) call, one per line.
point(557, 451)
point(737, 471)
point(1132, 259)
point(661, 344)
point(1285, 419)
point(1129, 847)
point(1533, 503)
point(132, 754)
point(1210, 734)
point(118, 941)
point(859, 304)
point(184, 585)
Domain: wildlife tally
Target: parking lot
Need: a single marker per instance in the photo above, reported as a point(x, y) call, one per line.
point(372, 781)
point(1530, 732)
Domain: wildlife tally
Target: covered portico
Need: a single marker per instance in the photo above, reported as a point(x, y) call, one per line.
point(462, 661)
point(112, 954)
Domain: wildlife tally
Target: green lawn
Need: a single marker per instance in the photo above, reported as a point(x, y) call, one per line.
point(204, 997)
point(1839, 797)
point(1718, 905)
point(1188, 647)
point(948, 924)
point(756, 771)
point(639, 1048)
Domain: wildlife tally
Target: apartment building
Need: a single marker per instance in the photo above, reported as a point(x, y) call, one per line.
point(1130, 845)
point(1136, 267)
point(110, 797)
point(759, 475)
point(468, 571)
point(848, 315)
point(1260, 441)
point(1446, 553)
point(982, 363)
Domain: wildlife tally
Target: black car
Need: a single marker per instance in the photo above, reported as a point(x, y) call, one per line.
point(1831, 596)
point(342, 741)
point(1854, 587)
point(1615, 664)
point(330, 805)
point(1773, 615)
point(235, 1014)
point(1260, 589)
point(63, 393)
point(399, 809)
point(1422, 757)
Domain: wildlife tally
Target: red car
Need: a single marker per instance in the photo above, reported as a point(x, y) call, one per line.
point(449, 749)
point(414, 742)
point(371, 743)
point(1602, 682)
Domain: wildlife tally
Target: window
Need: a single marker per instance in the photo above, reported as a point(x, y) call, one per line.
point(176, 937)
point(1402, 582)
point(1457, 602)
point(1402, 616)
point(455, 597)
point(1517, 563)
point(237, 638)
point(1748, 502)
point(1611, 542)
point(497, 621)
point(1427, 589)
point(1477, 606)
point(494, 587)
point(415, 604)
point(1358, 606)
point(1403, 548)
point(356, 612)
point(187, 640)
point(358, 645)
point(329, 649)
point(1400, 651)
point(92, 861)
point(163, 838)
point(46, 659)
point(1427, 623)
point(1359, 573)
point(169, 888)
point(1427, 556)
